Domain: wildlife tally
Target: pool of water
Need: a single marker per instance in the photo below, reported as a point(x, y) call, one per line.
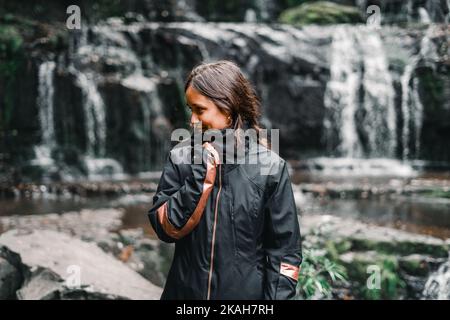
point(414, 211)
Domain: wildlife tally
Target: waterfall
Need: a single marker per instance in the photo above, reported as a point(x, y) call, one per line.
point(359, 96)
point(45, 105)
point(412, 110)
point(94, 110)
point(379, 122)
point(342, 90)
point(99, 167)
point(424, 16)
point(360, 116)
point(447, 18)
point(406, 77)
point(250, 16)
point(411, 106)
point(438, 284)
point(264, 8)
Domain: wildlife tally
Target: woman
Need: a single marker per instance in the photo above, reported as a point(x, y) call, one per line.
point(234, 225)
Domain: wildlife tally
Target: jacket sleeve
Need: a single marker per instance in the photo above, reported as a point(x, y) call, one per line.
point(282, 241)
point(179, 205)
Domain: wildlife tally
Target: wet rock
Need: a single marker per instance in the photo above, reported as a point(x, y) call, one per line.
point(68, 257)
point(88, 225)
point(419, 265)
point(148, 257)
point(82, 189)
point(364, 237)
point(44, 284)
point(401, 261)
point(10, 273)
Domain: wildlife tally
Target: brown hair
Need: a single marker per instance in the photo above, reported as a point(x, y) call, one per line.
point(224, 83)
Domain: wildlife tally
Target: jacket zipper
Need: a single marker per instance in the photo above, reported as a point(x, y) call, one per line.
point(214, 233)
point(233, 229)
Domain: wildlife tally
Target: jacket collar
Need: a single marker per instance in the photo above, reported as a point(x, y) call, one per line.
point(227, 146)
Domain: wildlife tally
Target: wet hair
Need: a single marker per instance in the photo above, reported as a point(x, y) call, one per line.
point(224, 83)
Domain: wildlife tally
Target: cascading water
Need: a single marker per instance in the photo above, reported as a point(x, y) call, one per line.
point(412, 107)
point(411, 110)
point(379, 123)
point(97, 164)
point(94, 110)
point(45, 105)
point(360, 117)
point(360, 95)
point(438, 284)
point(342, 92)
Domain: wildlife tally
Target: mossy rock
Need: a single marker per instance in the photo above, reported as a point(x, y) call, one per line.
point(401, 247)
point(321, 13)
point(415, 265)
point(437, 193)
point(361, 268)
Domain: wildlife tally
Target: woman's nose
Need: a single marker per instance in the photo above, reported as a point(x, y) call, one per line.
point(194, 119)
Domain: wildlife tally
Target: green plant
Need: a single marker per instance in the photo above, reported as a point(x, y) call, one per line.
point(318, 274)
point(391, 284)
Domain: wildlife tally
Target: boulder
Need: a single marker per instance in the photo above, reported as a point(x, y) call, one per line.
point(149, 257)
point(363, 237)
point(74, 268)
point(10, 273)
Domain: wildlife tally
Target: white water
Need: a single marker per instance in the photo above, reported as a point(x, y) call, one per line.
point(104, 168)
point(406, 104)
point(411, 106)
point(46, 111)
point(380, 120)
point(341, 91)
point(110, 45)
point(424, 16)
point(438, 284)
point(360, 83)
point(94, 110)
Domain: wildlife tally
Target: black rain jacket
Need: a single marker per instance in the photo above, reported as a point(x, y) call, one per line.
point(235, 225)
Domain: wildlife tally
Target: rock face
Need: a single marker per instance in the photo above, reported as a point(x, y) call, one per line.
point(64, 258)
point(108, 103)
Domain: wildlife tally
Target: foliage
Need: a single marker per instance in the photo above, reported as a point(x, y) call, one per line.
point(321, 269)
point(391, 284)
point(320, 12)
point(11, 56)
point(318, 274)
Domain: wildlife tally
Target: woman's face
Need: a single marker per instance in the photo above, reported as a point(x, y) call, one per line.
point(204, 110)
